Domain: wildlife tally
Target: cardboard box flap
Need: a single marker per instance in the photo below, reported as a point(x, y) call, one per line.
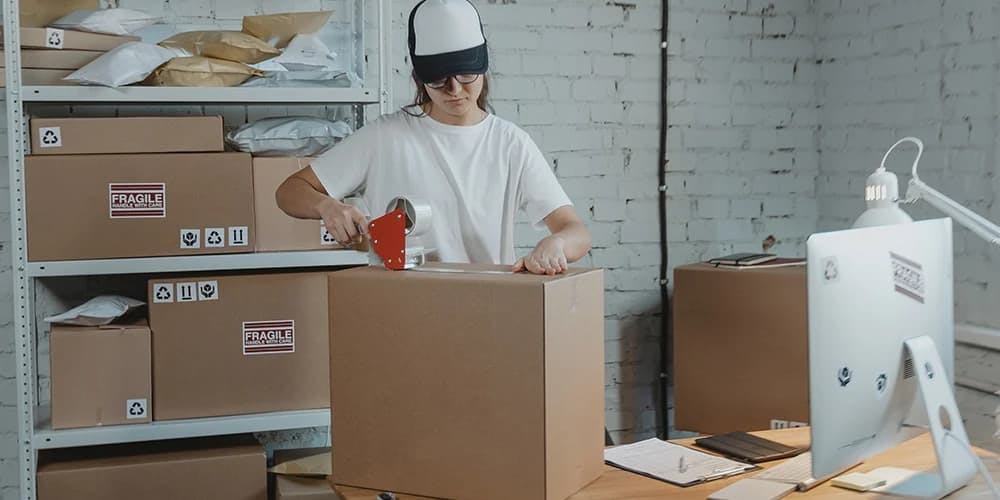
point(305, 462)
point(133, 454)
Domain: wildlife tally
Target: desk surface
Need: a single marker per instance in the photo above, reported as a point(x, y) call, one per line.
point(616, 484)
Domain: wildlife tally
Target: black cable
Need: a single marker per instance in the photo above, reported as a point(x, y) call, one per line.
point(666, 333)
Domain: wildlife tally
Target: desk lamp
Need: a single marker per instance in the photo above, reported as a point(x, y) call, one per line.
point(882, 199)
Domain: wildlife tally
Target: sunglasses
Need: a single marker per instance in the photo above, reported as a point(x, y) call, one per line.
point(463, 79)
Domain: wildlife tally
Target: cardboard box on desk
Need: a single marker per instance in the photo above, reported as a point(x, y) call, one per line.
point(231, 345)
point(140, 134)
point(276, 230)
point(100, 375)
point(449, 384)
point(149, 205)
point(740, 348)
point(217, 468)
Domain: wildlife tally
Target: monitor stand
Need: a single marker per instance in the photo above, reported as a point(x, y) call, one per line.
point(955, 466)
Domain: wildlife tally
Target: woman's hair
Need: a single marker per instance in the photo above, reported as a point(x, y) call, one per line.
point(423, 97)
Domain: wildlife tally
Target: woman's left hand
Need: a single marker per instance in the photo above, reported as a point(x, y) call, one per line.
point(548, 257)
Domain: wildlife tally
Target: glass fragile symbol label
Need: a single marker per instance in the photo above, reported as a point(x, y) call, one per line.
point(134, 200)
point(268, 337)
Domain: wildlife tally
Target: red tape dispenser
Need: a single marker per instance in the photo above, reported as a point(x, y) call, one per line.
point(389, 233)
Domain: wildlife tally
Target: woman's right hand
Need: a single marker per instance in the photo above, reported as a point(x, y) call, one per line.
point(344, 222)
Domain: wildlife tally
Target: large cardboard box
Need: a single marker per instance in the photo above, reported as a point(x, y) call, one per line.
point(115, 206)
point(100, 375)
point(276, 230)
point(472, 383)
point(35, 13)
point(740, 348)
point(230, 345)
point(54, 59)
point(50, 38)
point(301, 474)
point(231, 468)
point(140, 134)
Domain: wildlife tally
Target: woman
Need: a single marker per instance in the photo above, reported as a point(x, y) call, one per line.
point(475, 169)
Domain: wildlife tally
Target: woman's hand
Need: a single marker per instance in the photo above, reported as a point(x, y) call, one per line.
point(344, 222)
point(548, 257)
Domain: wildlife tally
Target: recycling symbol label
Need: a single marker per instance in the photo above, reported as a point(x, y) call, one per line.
point(135, 408)
point(50, 137)
point(163, 293)
point(190, 239)
point(215, 237)
point(325, 238)
point(844, 376)
point(54, 38)
point(208, 290)
point(831, 271)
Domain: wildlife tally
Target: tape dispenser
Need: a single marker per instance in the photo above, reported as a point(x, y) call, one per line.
point(392, 234)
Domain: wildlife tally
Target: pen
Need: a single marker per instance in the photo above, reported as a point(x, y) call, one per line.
point(723, 473)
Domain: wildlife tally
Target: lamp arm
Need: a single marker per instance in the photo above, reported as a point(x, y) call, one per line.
point(971, 220)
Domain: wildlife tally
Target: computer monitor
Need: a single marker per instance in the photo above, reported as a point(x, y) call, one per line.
point(872, 292)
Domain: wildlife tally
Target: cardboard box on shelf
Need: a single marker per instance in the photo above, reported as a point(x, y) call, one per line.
point(100, 375)
point(58, 39)
point(239, 344)
point(301, 474)
point(140, 134)
point(148, 205)
point(740, 348)
point(229, 467)
point(39, 77)
point(40, 13)
point(54, 59)
point(465, 373)
point(276, 230)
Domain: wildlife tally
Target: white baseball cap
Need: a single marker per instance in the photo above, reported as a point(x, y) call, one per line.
point(446, 38)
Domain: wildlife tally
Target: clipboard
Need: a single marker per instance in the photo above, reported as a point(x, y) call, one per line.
point(672, 463)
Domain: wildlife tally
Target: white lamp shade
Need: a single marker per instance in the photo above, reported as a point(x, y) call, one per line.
point(882, 200)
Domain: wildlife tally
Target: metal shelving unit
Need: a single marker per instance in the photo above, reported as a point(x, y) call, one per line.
point(34, 431)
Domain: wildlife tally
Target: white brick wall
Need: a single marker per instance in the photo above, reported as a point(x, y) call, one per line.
point(743, 136)
point(924, 68)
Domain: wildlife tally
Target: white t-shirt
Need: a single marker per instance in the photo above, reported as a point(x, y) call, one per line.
point(476, 178)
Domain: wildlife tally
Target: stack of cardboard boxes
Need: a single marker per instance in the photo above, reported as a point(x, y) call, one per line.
point(49, 55)
point(471, 370)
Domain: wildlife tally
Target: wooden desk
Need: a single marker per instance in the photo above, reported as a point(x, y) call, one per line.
point(616, 484)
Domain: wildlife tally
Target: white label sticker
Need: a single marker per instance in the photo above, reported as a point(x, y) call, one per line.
point(190, 238)
point(268, 337)
point(163, 293)
point(54, 38)
point(135, 409)
point(798, 424)
point(50, 137)
point(779, 424)
point(132, 200)
point(215, 237)
point(208, 290)
point(325, 238)
point(239, 236)
point(187, 292)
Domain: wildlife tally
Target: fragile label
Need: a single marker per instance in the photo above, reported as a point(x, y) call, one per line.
point(137, 201)
point(268, 337)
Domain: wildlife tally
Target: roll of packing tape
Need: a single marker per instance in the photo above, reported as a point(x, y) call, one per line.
point(418, 214)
